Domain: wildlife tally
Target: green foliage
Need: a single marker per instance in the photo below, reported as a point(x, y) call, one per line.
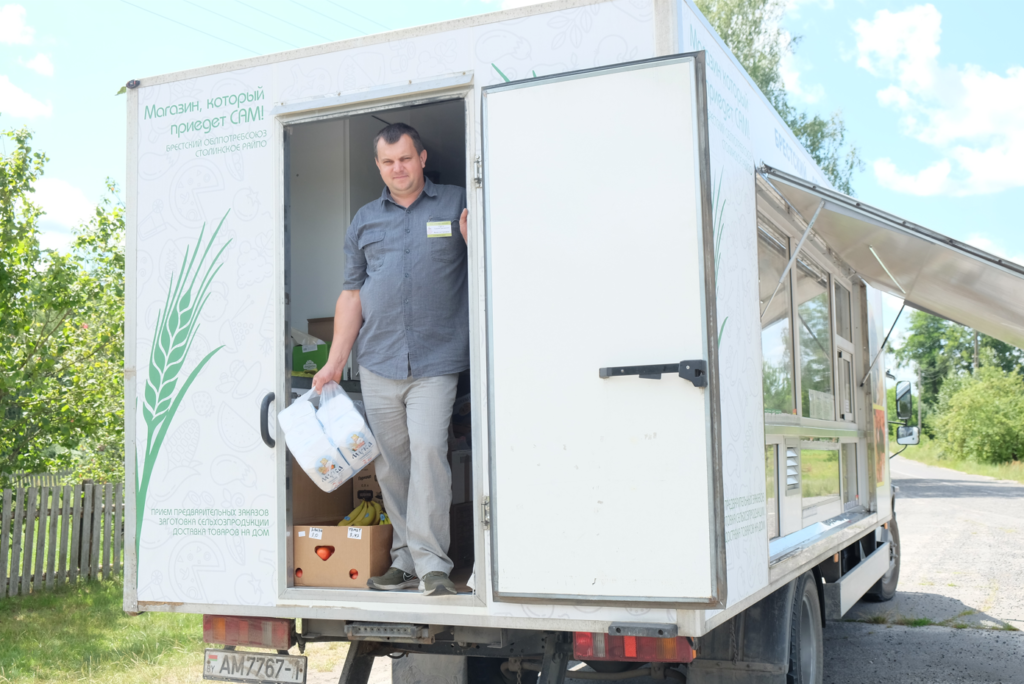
point(941, 348)
point(751, 30)
point(777, 387)
point(981, 416)
point(61, 329)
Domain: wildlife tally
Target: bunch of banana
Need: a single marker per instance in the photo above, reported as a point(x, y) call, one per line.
point(366, 513)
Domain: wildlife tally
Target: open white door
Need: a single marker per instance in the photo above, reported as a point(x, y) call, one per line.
point(600, 261)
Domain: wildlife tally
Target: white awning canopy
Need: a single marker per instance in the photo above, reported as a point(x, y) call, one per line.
point(929, 271)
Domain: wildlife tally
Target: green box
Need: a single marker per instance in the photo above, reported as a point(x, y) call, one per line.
point(306, 359)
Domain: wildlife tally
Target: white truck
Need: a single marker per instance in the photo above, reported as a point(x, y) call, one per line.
point(673, 454)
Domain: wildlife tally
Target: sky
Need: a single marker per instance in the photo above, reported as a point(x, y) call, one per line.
point(932, 94)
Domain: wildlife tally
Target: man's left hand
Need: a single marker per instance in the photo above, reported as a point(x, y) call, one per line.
point(462, 224)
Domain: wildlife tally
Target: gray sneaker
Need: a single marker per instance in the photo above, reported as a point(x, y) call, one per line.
point(393, 580)
point(437, 584)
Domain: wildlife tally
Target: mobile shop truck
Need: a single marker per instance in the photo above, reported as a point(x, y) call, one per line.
point(674, 435)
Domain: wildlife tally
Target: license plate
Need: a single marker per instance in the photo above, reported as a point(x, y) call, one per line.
point(249, 666)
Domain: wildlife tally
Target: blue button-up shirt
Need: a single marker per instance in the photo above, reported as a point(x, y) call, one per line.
point(413, 287)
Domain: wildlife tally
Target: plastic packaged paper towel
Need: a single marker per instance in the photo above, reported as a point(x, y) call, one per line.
point(331, 444)
point(345, 426)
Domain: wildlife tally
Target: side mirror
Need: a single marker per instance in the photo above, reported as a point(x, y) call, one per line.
point(904, 401)
point(908, 435)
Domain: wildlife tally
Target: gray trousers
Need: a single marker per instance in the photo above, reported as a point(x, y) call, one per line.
point(410, 420)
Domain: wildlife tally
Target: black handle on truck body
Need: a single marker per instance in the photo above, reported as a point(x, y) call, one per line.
point(265, 420)
point(696, 371)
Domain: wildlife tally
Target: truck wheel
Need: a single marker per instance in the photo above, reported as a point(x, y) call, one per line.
point(806, 642)
point(885, 588)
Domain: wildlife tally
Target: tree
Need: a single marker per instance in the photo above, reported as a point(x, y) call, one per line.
point(61, 352)
point(937, 347)
point(981, 416)
point(751, 30)
point(941, 348)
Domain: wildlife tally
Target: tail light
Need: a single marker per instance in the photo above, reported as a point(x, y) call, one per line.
point(273, 633)
point(598, 646)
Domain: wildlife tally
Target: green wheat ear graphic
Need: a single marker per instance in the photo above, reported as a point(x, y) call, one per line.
point(718, 228)
point(176, 328)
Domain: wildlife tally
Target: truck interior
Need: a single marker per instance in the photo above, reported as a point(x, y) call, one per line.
point(331, 173)
point(813, 337)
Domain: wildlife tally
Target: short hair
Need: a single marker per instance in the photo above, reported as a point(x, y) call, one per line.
point(392, 133)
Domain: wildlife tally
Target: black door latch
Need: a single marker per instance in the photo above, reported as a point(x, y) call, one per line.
point(695, 371)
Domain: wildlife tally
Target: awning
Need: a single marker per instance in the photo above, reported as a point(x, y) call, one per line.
point(928, 270)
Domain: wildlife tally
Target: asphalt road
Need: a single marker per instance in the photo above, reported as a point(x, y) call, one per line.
point(961, 577)
point(960, 593)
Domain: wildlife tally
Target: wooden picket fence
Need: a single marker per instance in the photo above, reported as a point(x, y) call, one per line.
point(51, 536)
point(53, 479)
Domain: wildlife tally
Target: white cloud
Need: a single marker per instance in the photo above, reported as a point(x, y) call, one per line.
point(930, 181)
point(792, 9)
point(63, 203)
point(54, 237)
point(16, 102)
point(40, 64)
point(973, 118)
point(13, 29)
point(986, 244)
point(789, 69)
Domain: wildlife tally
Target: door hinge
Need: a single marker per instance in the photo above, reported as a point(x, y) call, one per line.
point(486, 515)
point(478, 173)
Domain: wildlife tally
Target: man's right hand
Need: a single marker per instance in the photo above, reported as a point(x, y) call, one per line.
point(331, 371)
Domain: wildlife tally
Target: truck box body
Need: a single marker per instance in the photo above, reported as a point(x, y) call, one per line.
point(594, 499)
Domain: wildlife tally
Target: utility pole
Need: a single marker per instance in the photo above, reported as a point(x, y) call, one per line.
point(920, 398)
point(976, 364)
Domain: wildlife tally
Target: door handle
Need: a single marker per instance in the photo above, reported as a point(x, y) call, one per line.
point(695, 371)
point(265, 420)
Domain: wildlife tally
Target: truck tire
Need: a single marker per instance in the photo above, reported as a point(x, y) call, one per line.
point(885, 588)
point(806, 641)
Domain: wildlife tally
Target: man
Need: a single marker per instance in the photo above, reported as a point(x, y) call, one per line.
point(406, 297)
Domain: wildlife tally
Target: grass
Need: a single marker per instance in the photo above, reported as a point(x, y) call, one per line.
point(81, 634)
point(954, 622)
point(928, 452)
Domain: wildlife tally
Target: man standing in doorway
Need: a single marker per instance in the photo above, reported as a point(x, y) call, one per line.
point(406, 298)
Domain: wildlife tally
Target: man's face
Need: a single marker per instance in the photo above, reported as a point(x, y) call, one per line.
point(400, 166)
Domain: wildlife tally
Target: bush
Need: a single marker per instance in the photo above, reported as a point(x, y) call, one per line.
point(981, 416)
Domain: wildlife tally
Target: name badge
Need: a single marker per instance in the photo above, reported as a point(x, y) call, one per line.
point(439, 229)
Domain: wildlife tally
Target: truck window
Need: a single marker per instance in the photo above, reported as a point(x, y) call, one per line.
point(813, 322)
point(844, 321)
point(851, 478)
point(771, 488)
point(776, 335)
point(819, 479)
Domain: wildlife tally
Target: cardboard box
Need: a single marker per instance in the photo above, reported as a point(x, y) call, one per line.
point(365, 486)
point(310, 504)
point(309, 359)
point(321, 328)
point(359, 554)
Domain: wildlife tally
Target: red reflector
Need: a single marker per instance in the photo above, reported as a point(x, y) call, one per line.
point(583, 645)
point(597, 646)
point(273, 633)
